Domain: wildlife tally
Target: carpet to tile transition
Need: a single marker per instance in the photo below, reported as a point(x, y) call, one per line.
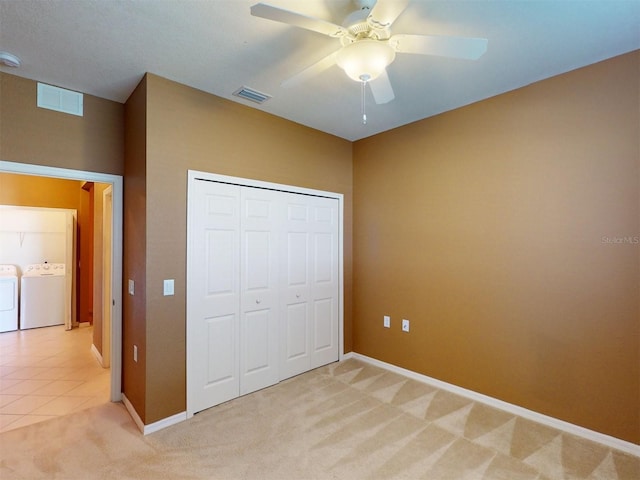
point(347, 420)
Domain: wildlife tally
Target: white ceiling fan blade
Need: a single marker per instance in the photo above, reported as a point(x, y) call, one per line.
point(381, 89)
point(297, 19)
point(442, 46)
point(385, 12)
point(311, 71)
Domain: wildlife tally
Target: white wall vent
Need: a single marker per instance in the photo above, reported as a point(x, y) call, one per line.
point(251, 94)
point(60, 100)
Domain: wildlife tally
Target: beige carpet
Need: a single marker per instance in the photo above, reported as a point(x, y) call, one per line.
point(343, 421)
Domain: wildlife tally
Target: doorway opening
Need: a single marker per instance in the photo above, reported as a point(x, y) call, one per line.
point(110, 253)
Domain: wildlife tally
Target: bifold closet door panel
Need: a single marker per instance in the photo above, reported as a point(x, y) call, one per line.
point(324, 282)
point(295, 338)
point(215, 292)
point(259, 286)
point(309, 273)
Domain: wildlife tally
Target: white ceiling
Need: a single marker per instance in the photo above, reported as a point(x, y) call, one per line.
point(103, 48)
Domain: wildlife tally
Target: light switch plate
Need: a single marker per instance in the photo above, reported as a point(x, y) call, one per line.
point(168, 287)
point(387, 321)
point(131, 287)
point(405, 325)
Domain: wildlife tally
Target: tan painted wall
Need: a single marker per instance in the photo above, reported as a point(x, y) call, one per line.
point(27, 190)
point(484, 226)
point(134, 377)
point(28, 134)
point(188, 129)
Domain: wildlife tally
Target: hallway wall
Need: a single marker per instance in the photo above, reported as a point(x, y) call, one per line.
point(28, 134)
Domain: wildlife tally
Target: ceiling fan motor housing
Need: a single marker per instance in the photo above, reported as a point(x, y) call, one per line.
point(358, 26)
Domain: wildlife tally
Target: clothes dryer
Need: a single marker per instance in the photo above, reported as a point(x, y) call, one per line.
point(42, 295)
point(8, 298)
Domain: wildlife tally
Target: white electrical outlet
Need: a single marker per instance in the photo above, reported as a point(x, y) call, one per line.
point(135, 353)
point(387, 321)
point(405, 325)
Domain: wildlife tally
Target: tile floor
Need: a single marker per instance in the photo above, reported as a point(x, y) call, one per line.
point(48, 372)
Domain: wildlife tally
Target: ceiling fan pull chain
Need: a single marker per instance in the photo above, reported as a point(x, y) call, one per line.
point(363, 84)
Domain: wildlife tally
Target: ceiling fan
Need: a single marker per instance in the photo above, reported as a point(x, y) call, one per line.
point(368, 46)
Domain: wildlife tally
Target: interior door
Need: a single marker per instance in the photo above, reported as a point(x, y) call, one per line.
point(214, 294)
point(85, 250)
point(259, 221)
point(107, 295)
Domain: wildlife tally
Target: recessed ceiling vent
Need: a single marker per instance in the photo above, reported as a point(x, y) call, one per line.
point(251, 95)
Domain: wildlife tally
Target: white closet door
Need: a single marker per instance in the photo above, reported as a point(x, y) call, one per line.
point(324, 283)
point(309, 273)
point(260, 218)
point(295, 338)
point(263, 288)
point(213, 333)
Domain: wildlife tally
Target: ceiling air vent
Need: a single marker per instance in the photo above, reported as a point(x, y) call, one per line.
point(251, 95)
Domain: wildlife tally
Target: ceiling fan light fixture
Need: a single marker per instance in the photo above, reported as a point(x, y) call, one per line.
point(366, 59)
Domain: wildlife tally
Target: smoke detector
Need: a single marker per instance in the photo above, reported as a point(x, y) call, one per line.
point(9, 60)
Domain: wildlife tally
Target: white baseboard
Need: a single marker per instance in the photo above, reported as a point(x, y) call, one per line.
point(97, 354)
point(134, 415)
point(556, 423)
point(348, 355)
point(152, 427)
point(164, 423)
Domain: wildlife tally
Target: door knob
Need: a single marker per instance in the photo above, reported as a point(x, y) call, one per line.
point(258, 301)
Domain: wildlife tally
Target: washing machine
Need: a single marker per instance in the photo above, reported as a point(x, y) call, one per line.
point(42, 295)
point(8, 298)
